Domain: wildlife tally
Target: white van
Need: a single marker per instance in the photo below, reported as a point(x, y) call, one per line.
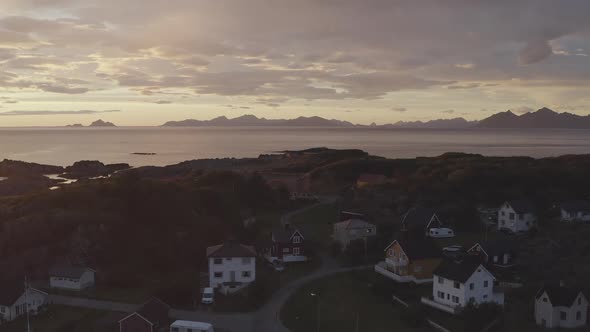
point(441, 232)
point(208, 296)
point(189, 326)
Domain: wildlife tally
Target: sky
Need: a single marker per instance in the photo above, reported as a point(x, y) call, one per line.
point(144, 62)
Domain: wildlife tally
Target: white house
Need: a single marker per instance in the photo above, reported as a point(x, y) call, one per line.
point(14, 300)
point(71, 277)
point(457, 284)
point(190, 326)
point(351, 230)
point(575, 211)
point(516, 216)
point(560, 307)
point(232, 266)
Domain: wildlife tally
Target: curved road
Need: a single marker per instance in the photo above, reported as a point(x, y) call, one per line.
point(265, 319)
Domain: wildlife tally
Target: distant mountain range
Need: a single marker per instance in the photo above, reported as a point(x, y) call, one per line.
point(97, 123)
point(543, 118)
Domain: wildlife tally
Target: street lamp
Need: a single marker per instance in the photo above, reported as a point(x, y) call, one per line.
point(318, 309)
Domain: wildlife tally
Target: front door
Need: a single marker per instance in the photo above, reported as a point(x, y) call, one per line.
point(232, 276)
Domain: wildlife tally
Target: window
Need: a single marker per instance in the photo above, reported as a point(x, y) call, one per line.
point(578, 315)
point(511, 216)
point(174, 329)
point(448, 296)
point(441, 295)
point(486, 283)
point(217, 261)
point(471, 286)
point(455, 299)
point(285, 250)
point(457, 285)
point(246, 260)
point(296, 251)
point(441, 280)
point(391, 253)
point(218, 274)
point(228, 259)
point(485, 297)
point(246, 274)
point(503, 213)
point(563, 315)
point(2, 309)
point(296, 239)
point(579, 300)
point(544, 299)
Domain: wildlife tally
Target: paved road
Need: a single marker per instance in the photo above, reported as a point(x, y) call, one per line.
point(266, 319)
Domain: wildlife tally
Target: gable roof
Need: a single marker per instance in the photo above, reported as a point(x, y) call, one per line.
point(576, 206)
point(458, 271)
point(12, 289)
point(496, 247)
point(231, 249)
point(522, 206)
point(417, 248)
point(284, 234)
point(155, 310)
point(354, 224)
point(135, 314)
point(559, 295)
point(68, 271)
point(418, 217)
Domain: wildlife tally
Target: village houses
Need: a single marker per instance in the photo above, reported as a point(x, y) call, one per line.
point(560, 307)
point(575, 211)
point(232, 266)
point(287, 244)
point(15, 298)
point(351, 230)
point(516, 216)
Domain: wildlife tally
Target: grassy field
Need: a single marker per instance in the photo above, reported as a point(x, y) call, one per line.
point(63, 319)
point(344, 300)
point(317, 223)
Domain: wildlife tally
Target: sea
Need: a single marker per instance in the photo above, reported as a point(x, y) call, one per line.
point(158, 146)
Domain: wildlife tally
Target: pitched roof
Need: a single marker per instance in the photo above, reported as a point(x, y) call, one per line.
point(418, 248)
point(68, 271)
point(10, 291)
point(156, 311)
point(418, 216)
point(458, 271)
point(559, 295)
point(231, 249)
point(284, 234)
point(576, 206)
point(354, 224)
point(522, 206)
point(498, 246)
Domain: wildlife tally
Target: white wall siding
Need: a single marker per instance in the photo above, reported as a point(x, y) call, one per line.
point(85, 281)
point(35, 299)
point(479, 294)
point(520, 222)
point(550, 316)
point(231, 270)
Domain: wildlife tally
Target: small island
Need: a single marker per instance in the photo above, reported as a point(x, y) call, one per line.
point(97, 123)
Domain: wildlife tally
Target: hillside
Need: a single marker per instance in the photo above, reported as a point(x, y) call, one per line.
point(542, 118)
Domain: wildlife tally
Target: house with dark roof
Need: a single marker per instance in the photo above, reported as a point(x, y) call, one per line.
point(410, 260)
point(517, 216)
point(351, 230)
point(420, 220)
point(232, 266)
point(153, 316)
point(72, 277)
point(15, 298)
point(498, 252)
point(575, 211)
point(560, 307)
point(287, 244)
point(457, 284)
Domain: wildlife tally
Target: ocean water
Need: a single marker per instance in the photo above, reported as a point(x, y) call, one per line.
point(63, 146)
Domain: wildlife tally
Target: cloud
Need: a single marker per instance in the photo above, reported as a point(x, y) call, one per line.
point(162, 102)
point(535, 51)
point(11, 101)
point(448, 111)
point(20, 113)
point(464, 86)
point(399, 109)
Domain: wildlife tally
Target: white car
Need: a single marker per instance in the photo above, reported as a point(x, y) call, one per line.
point(441, 232)
point(208, 296)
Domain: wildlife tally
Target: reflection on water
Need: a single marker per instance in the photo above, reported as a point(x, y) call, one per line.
point(59, 146)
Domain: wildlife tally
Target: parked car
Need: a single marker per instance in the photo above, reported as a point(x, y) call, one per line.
point(278, 265)
point(190, 326)
point(441, 232)
point(454, 251)
point(208, 296)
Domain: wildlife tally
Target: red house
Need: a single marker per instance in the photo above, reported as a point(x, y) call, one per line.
point(287, 245)
point(152, 317)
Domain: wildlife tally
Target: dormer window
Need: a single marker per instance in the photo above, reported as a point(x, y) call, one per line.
point(296, 239)
point(544, 299)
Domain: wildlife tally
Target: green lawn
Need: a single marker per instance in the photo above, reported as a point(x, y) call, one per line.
point(317, 223)
point(344, 298)
point(62, 319)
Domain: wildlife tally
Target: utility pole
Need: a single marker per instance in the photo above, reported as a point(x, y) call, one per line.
point(318, 309)
point(27, 304)
point(357, 322)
